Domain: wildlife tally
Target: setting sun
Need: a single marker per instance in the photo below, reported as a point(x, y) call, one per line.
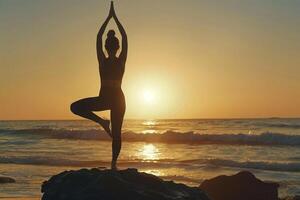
point(148, 97)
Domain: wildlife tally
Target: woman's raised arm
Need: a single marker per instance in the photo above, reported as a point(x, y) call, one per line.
point(99, 45)
point(123, 54)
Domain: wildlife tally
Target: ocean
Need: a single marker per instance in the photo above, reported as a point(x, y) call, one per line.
point(186, 151)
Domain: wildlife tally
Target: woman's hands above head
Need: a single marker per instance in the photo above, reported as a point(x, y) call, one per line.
point(112, 12)
point(100, 53)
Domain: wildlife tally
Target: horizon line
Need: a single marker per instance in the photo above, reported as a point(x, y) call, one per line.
point(229, 118)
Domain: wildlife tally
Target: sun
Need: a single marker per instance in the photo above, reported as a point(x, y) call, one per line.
point(148, 96)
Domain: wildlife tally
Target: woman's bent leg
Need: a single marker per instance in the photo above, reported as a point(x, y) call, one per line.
point(85, 108)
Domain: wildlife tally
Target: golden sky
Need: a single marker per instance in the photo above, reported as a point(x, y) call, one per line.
point(186, 59)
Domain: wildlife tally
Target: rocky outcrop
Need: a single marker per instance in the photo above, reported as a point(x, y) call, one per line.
point(129, 184)
point(241, 186)
point(297, 197)
point(5, 179)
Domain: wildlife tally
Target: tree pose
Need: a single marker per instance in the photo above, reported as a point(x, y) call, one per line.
point(111, 96)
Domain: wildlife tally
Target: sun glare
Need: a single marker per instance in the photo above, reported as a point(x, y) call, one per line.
point(148, 96)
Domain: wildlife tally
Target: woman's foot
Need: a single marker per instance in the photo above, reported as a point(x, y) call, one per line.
point(114, 166)
point(105, 125)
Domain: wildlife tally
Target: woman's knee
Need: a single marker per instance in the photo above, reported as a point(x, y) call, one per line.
point(75, 108)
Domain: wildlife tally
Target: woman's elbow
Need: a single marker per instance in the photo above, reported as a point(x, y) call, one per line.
point(99, 34)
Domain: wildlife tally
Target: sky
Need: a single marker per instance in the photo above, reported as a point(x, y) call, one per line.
point(186, 58)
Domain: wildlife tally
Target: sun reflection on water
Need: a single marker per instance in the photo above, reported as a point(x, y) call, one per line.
point(149, 123)
point(149, 131)
point(149, 126)
point(149, 152)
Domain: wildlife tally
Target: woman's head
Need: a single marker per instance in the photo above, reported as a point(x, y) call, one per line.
point(111, 43)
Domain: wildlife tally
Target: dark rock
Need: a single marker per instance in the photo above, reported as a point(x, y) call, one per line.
point(5, 179)
point(95, 184)
point(297, 197)
point(241, 186)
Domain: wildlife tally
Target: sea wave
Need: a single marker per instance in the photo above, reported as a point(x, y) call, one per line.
point(260, 165)
point(47, 161)
point(157, 164)
point(278, 125)
point(267, 138)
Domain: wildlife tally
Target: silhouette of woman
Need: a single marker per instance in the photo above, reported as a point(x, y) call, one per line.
point(111, 96)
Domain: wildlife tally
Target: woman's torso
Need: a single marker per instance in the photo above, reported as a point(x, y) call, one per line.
point(111, 75)
point(112, 69)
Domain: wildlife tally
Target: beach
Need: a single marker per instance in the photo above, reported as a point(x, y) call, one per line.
point(186, 151)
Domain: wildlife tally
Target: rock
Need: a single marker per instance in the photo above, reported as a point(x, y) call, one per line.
point(297, 197)
point(95, 184)
point(5, 179)
point(241, 186)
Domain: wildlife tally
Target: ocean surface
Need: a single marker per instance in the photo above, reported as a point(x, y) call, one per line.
point(186, 151)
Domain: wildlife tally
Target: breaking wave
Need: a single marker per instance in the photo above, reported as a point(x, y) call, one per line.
point(267, 138)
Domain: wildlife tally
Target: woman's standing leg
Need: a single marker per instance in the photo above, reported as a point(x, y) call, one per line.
point(117, 115)
point(85, 108)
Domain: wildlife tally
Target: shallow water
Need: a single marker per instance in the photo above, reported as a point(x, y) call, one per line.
point(187, 151)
